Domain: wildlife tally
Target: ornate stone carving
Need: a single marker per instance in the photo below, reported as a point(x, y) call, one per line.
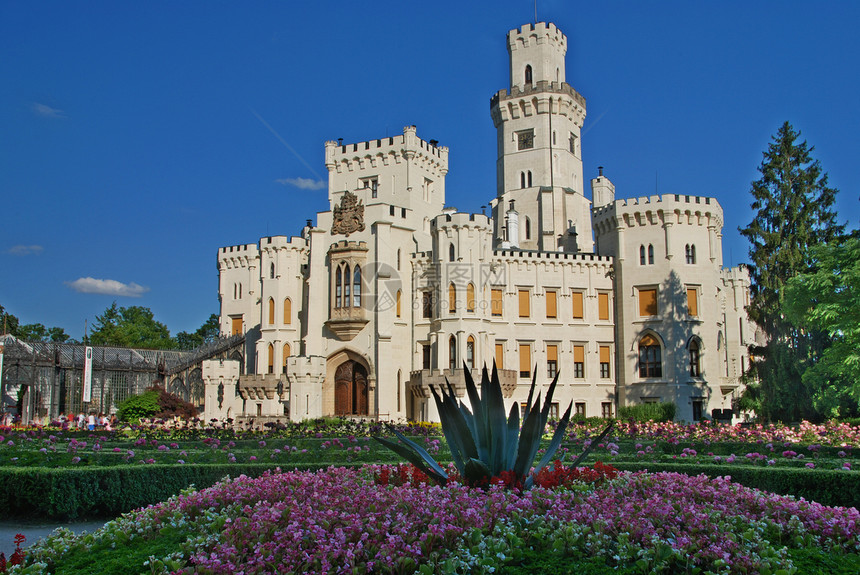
point(348, 216)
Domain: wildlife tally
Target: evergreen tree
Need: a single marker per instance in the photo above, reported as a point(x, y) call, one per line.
point(793, 211)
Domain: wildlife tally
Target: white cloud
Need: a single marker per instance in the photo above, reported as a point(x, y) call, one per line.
point(303, 183)
point(21, 250)
point(107, 287)
point(46, 111)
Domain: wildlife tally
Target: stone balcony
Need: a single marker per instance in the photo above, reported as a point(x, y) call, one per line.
point(346, 322)
point(423, 379)
point(260, 387)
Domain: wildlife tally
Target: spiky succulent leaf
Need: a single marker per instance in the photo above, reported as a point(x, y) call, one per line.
point(513, 436)
point(530, 436)
point(594, 442)
point(479, 414)
point(476, 472)
point(423, 462)
point(454, 427)
point(497, 421)
point(557, 437)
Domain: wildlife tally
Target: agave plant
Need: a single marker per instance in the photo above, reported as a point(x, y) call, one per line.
point(485, 443)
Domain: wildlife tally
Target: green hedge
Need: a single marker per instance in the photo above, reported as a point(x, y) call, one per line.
point(664, 411)
point(828, 487)
point(63, 494)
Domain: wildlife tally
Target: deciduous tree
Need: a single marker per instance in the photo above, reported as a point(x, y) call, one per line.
point(826, 299)
point(133, 326)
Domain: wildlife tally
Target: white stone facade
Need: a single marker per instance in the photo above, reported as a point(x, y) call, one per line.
point(390, 292)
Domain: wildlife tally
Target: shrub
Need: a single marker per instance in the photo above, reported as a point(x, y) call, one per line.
point(658, 412)
point(155, 402)
point(139, 406)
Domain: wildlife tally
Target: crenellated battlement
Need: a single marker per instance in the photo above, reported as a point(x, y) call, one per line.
point(536, 33)
point(387, 151)
point(737, 274)
point(528, 255)
point(460, 220)
point(660, 210)
point(347, 245)
point(538, 88)
point(296, 243)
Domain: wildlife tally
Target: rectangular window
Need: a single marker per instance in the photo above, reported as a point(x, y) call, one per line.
point(526, 140)
point(427, 304)
point(236, 325)
point(693, 302)
point(648, 302)
point(606, 409)
point(425, 356)
point(524, 303)
point(580, 408)
point(578, 307)
point(603, 306)
point(551, 310)
point(572, 143)
point(525, 360)
point(553, 410)
point(496, 302)
point(579, 361)
point(551, 360)
point(698, 407)
point(500, 355)
point(604, 361)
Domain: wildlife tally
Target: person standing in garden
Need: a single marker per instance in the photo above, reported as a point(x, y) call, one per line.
point(91, 422)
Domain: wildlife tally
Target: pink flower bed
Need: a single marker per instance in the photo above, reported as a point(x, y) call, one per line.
point(336, 520)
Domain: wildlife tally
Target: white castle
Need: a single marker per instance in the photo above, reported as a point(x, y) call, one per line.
point(391, 292)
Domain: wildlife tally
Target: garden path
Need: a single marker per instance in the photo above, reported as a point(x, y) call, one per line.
point(35, 530)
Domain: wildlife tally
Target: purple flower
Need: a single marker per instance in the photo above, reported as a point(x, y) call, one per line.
point(810, 465)
point(76, 459)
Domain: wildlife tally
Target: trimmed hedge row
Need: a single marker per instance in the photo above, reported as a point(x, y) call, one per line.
point(63, 494)
point(828, 487)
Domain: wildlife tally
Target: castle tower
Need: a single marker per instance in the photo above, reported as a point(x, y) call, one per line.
point(538, 124)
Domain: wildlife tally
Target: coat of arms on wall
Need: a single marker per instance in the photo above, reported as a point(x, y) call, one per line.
point(349, 215)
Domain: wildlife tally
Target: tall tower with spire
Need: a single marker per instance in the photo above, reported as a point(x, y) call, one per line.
point(538, 124)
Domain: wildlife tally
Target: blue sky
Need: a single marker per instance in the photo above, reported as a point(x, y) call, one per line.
point(137, 138)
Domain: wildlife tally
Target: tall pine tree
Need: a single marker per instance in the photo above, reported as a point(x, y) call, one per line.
point(794, 210)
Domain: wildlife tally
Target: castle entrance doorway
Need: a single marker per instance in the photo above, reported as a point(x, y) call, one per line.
point(350, 389)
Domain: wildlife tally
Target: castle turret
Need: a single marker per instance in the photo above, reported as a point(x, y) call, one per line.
point(538, 125)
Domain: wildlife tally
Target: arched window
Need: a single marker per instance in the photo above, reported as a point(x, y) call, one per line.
point(397, 303)
point(695, 359)
point(530, 178)
point(452, 353)
point(522, 179)
point(451, 253)
point(288, 311)
point(398, 260)
point(346, 277)
point(240, 291)
point(470, 298)
point(271, 311)
point(553, 138)
point(650, 254)
point(470, 352)
point(272, 271)
point(650, 360)
point(528, 75)
point(528, 228)
point(271, 358)
point(452, 298)
point(356, 287)
point(235, 290)
point(287, 353)
point(690, 252)
point(338, 286)
point(641, 255)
